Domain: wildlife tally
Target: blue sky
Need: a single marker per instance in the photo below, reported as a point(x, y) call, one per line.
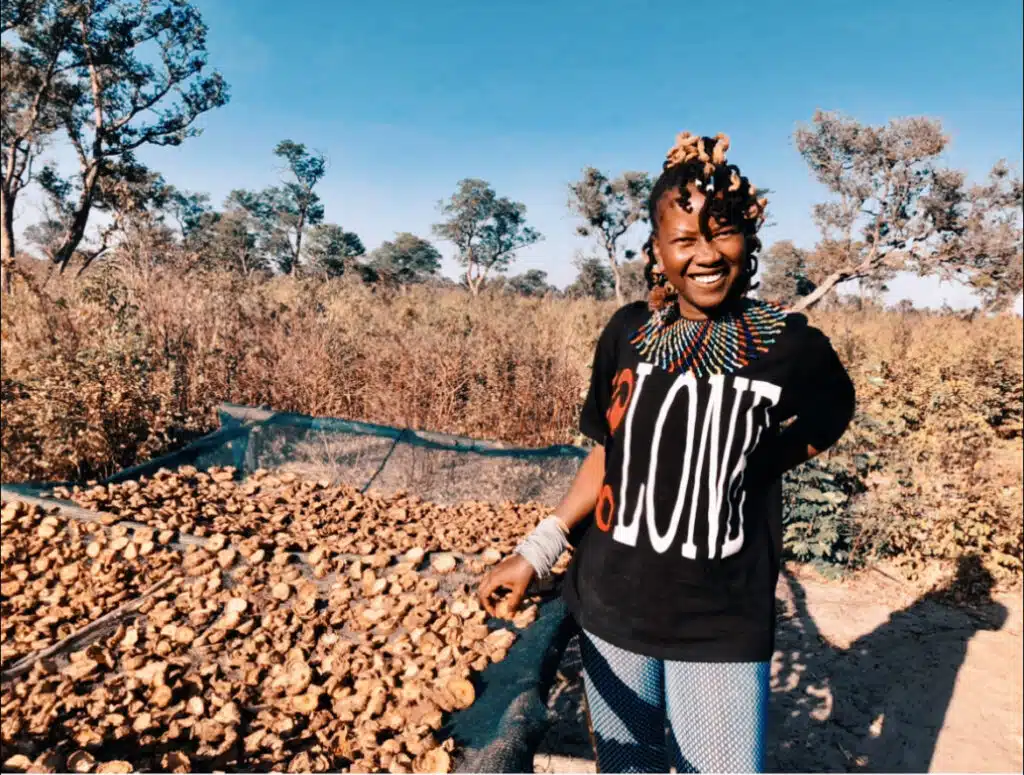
point(407, 98)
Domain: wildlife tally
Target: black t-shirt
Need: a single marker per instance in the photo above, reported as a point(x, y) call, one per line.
point(681, 556)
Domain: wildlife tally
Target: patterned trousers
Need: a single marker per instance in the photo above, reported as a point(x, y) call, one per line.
point(647, 714)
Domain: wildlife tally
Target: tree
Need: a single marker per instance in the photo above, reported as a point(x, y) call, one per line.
point(245, 236)
point(486, 230)
point(407, 260)
point(634, 282)
point(333, 250)
point(892, 207)
point(27, 118)
point(990, 238)
point(594, 280)
point(299, 205)
point(785, 278)
point(114, 75)
point(130, 195)
point(532, 282)
point(608, 209)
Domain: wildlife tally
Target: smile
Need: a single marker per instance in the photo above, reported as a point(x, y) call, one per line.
point(708, 279)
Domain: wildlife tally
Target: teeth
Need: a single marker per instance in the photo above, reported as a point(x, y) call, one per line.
point(708, 279)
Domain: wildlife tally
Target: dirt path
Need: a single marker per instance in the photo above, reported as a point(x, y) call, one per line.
point(868, 676)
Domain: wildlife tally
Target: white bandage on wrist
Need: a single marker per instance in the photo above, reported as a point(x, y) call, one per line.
point(545, 545)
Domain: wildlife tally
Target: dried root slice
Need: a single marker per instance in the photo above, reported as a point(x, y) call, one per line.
point(504, 609)
point(525, 618)
point(296, 678)
point(81, 761)
point(415, 555)
point(236, 605)
point(306, 703)
point(116, 767)
point(462, 692)
point(490, 556)
point(176, 761)
point(443, 563)
point(436, 760)
point(162, 696)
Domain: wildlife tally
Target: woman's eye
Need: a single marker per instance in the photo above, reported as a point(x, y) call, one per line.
point(726, 233)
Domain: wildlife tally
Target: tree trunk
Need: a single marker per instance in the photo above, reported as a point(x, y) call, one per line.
point(617, 276)
point(73, 236)
point(820, 292)
point(6, 242)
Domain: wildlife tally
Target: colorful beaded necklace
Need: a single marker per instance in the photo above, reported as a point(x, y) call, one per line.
point(720, 346)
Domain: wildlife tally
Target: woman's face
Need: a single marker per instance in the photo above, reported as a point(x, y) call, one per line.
point(703, 267)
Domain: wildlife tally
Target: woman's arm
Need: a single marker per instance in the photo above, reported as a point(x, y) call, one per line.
point(514, 573)
point(580, 500)
point(825, 406)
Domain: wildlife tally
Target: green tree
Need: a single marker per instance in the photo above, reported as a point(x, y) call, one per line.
point(333, 250)
point(245, 237)
point(130, 196)
point(785, 277)
point(608, 209)
point(299, 206)
point(486, 230)
point(634, 283)
point(114, 76)
point(32, 77)
point(532, 282)
point(594, 279)
point(407, 260)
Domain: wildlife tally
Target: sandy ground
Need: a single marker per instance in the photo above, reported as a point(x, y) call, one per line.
point(868, 676)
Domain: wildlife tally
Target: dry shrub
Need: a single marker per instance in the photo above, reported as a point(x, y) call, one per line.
point(937, 435)
point(129, 363)
point(100, 375)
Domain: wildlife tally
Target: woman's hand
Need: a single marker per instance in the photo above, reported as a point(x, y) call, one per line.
point(513, 574)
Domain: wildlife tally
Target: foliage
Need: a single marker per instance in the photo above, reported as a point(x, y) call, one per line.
point(608, 208)
point(245, 236)
point(299, 207)
point(893, 208)
point(333, 251)
point(409, 259)
point(817, 526)
point(785, 276)
point(531, 283)
point(594, 280)
point(88, 69)
point(989, 242)
point(486, 230)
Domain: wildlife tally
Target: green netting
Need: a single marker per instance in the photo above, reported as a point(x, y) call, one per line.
point(501, 731)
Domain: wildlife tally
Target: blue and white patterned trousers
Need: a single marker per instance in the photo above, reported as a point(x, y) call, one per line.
point(714, 712)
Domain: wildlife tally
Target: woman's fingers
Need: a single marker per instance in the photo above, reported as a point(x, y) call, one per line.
point(488, 587)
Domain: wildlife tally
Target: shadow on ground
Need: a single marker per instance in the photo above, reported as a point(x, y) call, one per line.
point(875, 704)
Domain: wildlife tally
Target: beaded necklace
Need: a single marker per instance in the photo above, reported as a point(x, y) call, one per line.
point(719, 346)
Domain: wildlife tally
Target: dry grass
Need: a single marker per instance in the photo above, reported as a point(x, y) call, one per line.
point(129, 363)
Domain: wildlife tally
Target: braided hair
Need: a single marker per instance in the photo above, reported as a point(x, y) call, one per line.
point(730, 197)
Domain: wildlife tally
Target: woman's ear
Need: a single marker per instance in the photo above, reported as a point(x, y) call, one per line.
point(652, 245)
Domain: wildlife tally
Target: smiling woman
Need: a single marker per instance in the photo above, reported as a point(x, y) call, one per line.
point(691, 400)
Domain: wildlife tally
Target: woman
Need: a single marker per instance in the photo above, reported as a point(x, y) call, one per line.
point(700, 399)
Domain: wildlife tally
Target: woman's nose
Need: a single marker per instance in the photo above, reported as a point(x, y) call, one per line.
point(704, 252)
